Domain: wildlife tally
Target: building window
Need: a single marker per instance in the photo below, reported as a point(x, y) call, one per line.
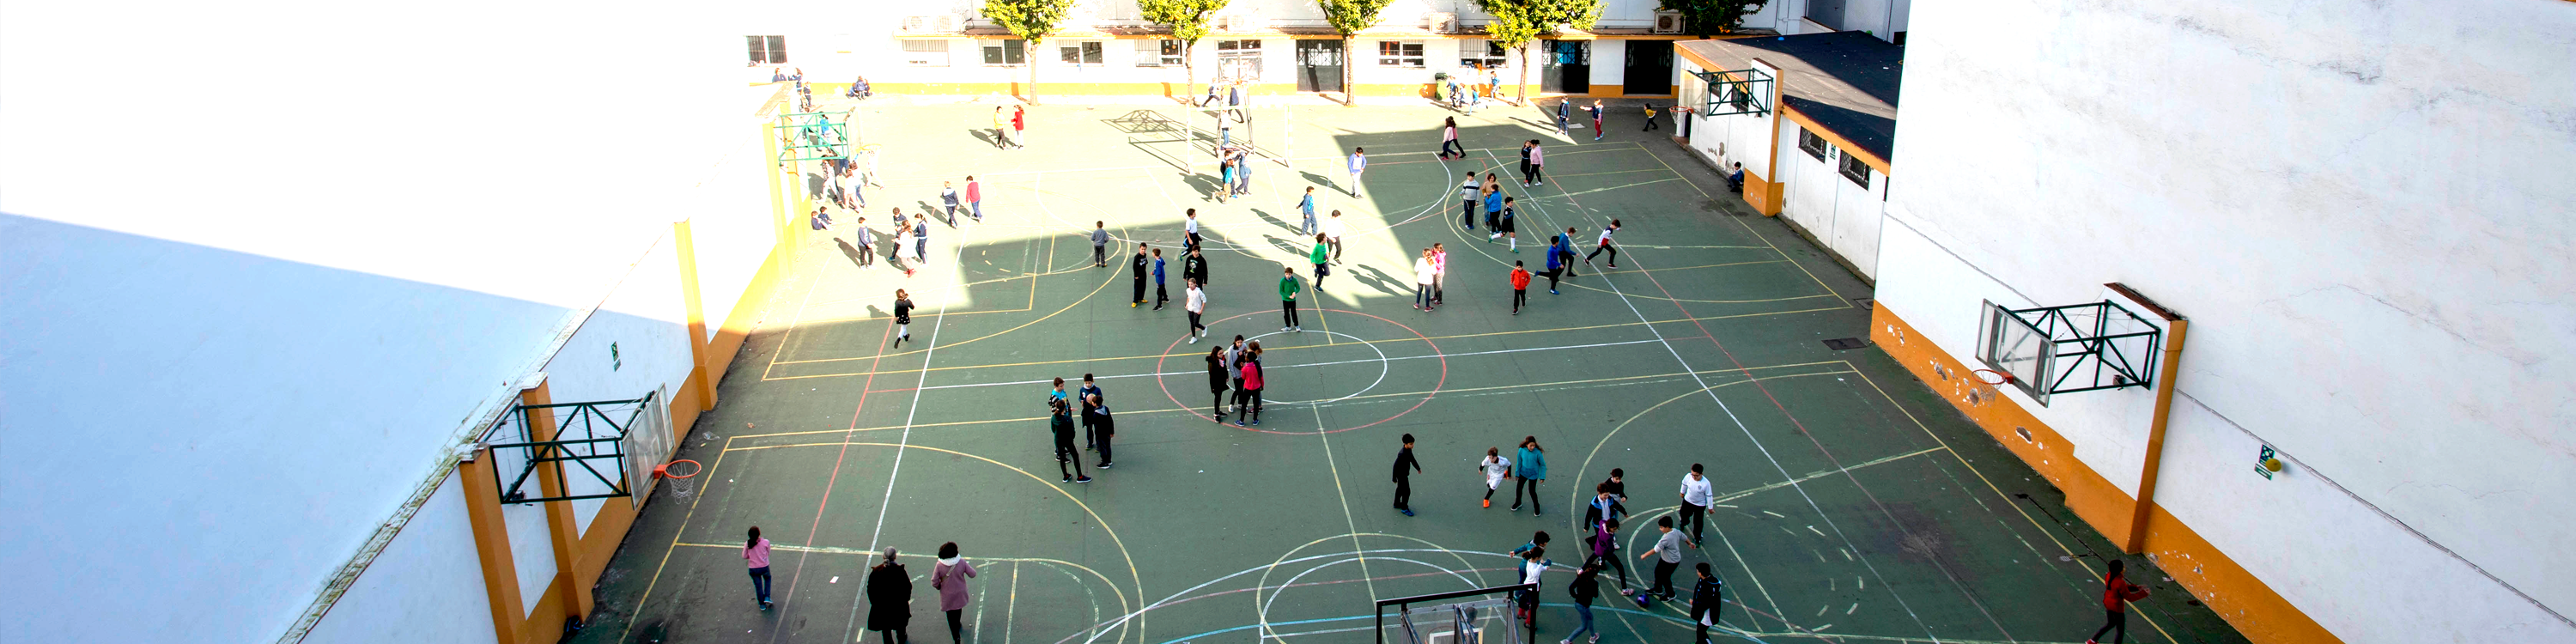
point(1006, 52)
point(1856, 171)
point(930, 53)
point(1814, 145)
point(768, 50)
point(1159, 53)
point(1080, 53)
point(1487, 53)
point(1399, 54)
point(1240, 59)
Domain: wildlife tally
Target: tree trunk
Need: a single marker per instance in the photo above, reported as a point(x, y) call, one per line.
point(1189, 74)
point(1350, 98)
point(1521, 93)
point(1033, 72)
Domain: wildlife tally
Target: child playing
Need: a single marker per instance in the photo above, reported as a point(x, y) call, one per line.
point(1496, 469)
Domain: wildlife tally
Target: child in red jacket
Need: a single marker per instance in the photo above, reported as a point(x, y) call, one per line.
point(2117, 592)
point(1520, 286)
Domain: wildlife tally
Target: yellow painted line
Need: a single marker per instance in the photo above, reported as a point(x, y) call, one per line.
point(1999, 492)
point(1134, 577)
point(674, 546)
point(1748, 229)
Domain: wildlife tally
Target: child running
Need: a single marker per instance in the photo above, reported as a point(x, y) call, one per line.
point(1496, 469)
point(1321, 257)
point(1449, 140)
point(1606, 232)
point(1506, 228)
point(1555, 262)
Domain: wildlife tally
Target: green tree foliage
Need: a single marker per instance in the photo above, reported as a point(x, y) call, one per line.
point(1189, 22)
point(1031, 20)
point(1518, 22)
point(1712, 18)
point(1349, 18)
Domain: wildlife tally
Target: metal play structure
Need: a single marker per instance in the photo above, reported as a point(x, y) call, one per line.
point(812, 136)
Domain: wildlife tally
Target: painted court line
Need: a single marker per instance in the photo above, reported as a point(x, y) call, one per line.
point(1746, 429)
point(1288, 366)
point(937, 322)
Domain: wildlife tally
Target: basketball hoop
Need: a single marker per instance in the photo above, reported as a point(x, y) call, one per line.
point(672, 469)
point(1993, 377)
point(679, 472)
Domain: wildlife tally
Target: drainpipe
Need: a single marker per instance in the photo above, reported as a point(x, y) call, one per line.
point(2167, 368)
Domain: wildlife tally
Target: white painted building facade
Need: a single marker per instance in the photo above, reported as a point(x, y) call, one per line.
point(2363, 209)
point(1106, 47)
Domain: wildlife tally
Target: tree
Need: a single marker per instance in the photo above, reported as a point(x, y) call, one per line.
point(1349, 18)
point(1032, 21)
point(1518, 22)
point(1711, 18)
point(1189, 22)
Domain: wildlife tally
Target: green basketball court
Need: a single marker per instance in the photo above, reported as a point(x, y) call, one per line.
point(1853, 504)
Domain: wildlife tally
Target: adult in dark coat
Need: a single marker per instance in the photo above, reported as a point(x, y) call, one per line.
point(890, 600)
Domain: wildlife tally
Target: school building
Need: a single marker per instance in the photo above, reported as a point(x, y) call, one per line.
point(1279, 46)
point(1810, 119)
point(2282, 295)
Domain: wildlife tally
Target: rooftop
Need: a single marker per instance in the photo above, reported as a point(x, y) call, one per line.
point(1845, 81)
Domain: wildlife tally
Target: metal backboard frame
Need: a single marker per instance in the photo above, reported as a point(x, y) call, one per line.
point(2066, 349)
point(1739, 91)
point(590, 435)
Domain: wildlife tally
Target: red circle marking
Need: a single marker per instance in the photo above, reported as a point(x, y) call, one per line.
point(1426, 396)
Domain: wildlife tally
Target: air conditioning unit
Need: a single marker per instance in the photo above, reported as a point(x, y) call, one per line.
point(936, 24)
point(1668, 22)
point(1240, 23)
point(1440, 23)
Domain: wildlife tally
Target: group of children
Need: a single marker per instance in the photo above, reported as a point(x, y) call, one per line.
point(844, 189)
point(1098, 428)
point(1525, 469)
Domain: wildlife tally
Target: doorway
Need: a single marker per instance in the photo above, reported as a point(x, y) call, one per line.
point(1650, 68)
point(1319, 65)
point(1566, 67)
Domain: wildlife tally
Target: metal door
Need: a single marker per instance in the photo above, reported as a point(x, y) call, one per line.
point(1319, 65)
point(1650, 68)
point(1566, 67)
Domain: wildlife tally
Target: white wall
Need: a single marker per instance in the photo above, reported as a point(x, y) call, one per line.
point(647, 323)
point(2364, 211)
point(427, 586)
point(1841, 214)
point(282, 337)
point(868, 42)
